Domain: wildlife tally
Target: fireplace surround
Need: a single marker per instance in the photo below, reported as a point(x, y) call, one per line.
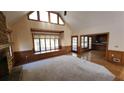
point(4, 72)
point(6, 55)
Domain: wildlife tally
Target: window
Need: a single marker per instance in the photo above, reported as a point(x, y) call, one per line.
point(44, 43)
point(61, 21)
point(37, 45)
point(56, 43)
point(52, 44)
point(53, 18)
point(43, 16)
point(47, 44)
point(33, 16)
point(46, 16)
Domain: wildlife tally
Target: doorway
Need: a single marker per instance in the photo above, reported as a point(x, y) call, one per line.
point(95, 42)
point(74, 43)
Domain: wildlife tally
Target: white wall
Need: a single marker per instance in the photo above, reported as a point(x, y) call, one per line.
point(22, 36)
point(101, 23)
point(80, 23)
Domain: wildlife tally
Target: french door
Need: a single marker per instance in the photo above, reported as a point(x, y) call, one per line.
point(74, 43)
point(86, 42)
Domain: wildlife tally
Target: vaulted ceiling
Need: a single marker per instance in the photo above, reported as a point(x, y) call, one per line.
point(77, 20)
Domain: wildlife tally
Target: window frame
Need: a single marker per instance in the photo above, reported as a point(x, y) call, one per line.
point(45, 51)
point(49, 17)
point(50, 48)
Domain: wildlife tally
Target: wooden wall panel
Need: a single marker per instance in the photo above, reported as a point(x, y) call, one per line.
point(115, 54)
point(123, 58)
point(23, 57)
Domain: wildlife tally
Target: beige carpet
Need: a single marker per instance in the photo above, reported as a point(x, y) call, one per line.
point(65, 68)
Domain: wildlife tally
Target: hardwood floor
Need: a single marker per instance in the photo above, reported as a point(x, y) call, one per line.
point(98, 57)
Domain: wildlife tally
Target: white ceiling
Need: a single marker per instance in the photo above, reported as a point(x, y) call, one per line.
point(13, 16)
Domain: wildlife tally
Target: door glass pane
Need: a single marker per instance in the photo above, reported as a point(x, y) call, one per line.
point(42, 42)
point(33, 15)
point(74, 48)
point(47, 44)
point(57, 43)
point(74, 43)
point(90, 42)
point(82, 42)
point(86, 45)
point(36, 45)
point(52, 44)
point(43, 16)
point(85, 42)
point(86, 39)
point(53, 18)
point(74, 39)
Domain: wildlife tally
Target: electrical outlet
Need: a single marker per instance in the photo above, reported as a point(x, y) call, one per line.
point(116, 60)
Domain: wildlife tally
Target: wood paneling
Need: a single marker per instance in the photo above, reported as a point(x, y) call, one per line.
point(99, 47)
point(115, 54)
point(23, 57)
point(79, 50)
point(67, 49)
point(123, 58)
